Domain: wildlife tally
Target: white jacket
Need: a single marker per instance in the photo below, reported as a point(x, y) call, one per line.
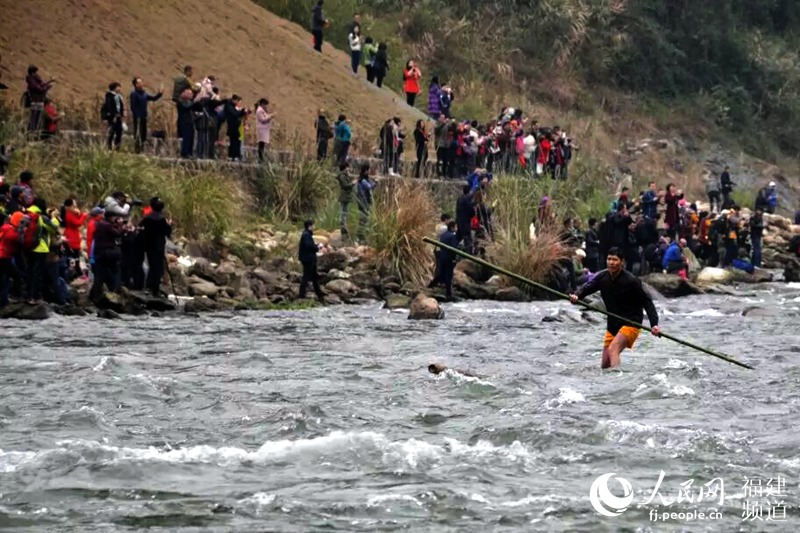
point(529, 144)
point(355, 42)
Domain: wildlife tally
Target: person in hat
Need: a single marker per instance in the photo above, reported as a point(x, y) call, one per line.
point(767, 199)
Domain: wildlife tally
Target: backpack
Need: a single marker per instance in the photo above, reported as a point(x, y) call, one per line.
point(30, 231)
point(105, 112)
point(475, 222)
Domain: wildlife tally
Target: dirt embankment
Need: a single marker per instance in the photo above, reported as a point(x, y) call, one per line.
point(85, 44)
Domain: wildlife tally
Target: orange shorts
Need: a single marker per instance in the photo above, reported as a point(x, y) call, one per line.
point(630, 334)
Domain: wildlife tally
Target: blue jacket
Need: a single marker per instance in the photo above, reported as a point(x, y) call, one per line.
point(364, 192)
point(451, 239)
point(342, 132)
point(139, 100)
point(474, 180)
point(673, 253)
point(650, 204)
point(445, 101)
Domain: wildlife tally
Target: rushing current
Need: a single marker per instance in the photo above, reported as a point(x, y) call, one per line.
point(327, 420)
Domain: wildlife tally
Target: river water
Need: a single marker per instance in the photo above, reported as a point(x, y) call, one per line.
point(327, 420)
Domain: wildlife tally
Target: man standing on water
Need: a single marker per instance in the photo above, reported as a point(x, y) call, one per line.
point(624, 295)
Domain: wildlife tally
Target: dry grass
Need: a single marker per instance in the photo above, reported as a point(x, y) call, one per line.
point(86, 44)
point(514, 202)
point(403, 214)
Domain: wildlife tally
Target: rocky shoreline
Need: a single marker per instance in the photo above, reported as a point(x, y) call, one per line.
point(208, 277)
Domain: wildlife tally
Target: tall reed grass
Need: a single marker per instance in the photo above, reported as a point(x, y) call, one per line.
point(514, 203)
point(402, 215)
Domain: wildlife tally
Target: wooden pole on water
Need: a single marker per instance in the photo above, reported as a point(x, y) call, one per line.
point(588, 306)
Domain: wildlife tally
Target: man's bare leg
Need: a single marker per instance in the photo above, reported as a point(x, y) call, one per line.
point(612, 353)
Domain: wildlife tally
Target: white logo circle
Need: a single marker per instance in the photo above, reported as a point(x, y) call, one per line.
point(606, 503)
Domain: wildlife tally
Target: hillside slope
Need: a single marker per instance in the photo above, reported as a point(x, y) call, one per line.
point(85, 44)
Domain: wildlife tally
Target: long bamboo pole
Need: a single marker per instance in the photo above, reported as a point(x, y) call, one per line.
point(587, 305)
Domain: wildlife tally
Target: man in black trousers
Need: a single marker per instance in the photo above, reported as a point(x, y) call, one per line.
point(308, 258)
point(156, 229)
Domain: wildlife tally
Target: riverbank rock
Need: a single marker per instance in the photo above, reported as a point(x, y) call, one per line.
point(425, 308)
point(202, 269)
point(791, 273)
point(198, 287)
point(397, 301)
point(335, 260)
point(511, 294)
point(123, 302)
point(671, 286)
point(714, 275)
point(108, 314)
point(202, 304)
point(722, 276)
point(23, 311)
point(475, 271)
point(341, 287)
point(69, 310)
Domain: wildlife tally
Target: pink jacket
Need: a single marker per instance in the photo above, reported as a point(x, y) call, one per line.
point(263, 125)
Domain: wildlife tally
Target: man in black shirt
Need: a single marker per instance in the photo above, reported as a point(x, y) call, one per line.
point(156, 229)
point(623, 295)
point(308, 258)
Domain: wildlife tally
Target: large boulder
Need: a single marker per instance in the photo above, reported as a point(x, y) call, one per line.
point(475, 291)
point(122, 302)
point(69, 310)
point(511, 294)
point(341, 287)
point(202, 269)
point(397, 301)
point(203, 288)
point(475, 271)
point(23, 311)
point(791, 272)
point(671, 285)
point(226, 273)
point(336, 259)
point(202, 304)
point(365, 279)
point(693, 262)
point(778, 221)
point(150, 302)
point(712, 275)
point(108, 314)
point(425, 308)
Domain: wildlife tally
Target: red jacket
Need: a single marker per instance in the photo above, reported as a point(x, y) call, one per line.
point(90, 233)
point(9, 241)
point(411, 81)
point(72, 228)
point(544, 151)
